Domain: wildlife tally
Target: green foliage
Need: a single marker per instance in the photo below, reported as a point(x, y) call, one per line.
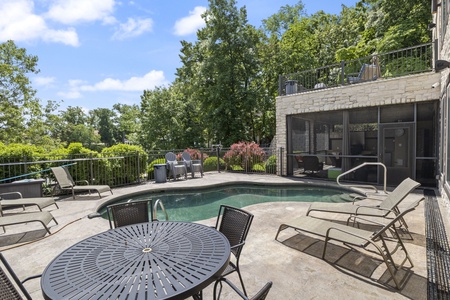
point(210, 164)
point(271, 165)
point(259, 167)
point(245, 155)
point(125, 165)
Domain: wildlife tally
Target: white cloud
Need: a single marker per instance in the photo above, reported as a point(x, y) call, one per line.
point(43, 81)
point(76, 11)
point(191, 23)
point(148, 81)
point(19, 22)
point(132, 28)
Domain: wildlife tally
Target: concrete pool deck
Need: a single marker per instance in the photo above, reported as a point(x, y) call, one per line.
point(293, 265)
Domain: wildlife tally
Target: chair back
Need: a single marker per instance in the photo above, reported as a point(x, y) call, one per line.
point(170, 157)
point(399, 194)
point(262, 294)
point(124, 214)
point(186, 156)
point(311, 163)
point(63, 177)
point(10, 283)
point(397, 218)
point(234, 223)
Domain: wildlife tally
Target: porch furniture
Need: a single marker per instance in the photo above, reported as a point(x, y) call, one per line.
point(11, 287)
point(174, 167)
point(387, 206)
point(124, 214)
point(43, 217)
point(15, 199)
point(66, 182)
point(311, 164)
point(368, 72)
point(192, 165)
point(358, 237)
point(153, 260)
point(261, 295)
point(234, 223)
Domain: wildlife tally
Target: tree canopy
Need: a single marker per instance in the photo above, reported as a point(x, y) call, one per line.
point(227, 83)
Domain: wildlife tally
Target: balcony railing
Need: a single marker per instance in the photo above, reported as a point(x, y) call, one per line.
point(408, 61)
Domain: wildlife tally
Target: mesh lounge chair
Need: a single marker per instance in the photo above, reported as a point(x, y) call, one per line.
point(129, 213)
point(66, 182)
point(261, 295)
point(10, 285)
point(311, 164)
point(14, 199)
point(384, 209)
point(192, 165)
point(44, 217)
point(368, 72)
point(234, 223)
point(356, 236)
point(175, 168)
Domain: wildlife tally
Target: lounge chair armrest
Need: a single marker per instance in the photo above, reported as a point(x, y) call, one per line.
point(344, 231)
point(16, 195)
point(373, 207)
point(85, 182)
point(354, 217)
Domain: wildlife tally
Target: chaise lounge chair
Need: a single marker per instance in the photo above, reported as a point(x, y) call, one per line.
point(356, 236)
point(14, 199)
point(44, 217)
point(66, 182)
point(383, 210)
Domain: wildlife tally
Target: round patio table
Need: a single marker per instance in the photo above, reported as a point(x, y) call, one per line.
point(156, 260)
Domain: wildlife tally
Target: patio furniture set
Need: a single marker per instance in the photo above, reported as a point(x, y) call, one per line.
point(142, 258)
point(178, 168)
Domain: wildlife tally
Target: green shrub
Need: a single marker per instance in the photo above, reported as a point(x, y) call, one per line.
point(271, 165)
point(259, 167)
point(244, 154)
point(210, 164)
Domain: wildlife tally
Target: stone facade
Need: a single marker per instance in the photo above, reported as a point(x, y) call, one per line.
point(407, 89)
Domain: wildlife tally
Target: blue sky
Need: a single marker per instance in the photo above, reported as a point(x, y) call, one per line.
point(96, 53)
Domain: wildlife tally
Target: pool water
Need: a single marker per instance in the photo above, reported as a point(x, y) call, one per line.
point(204, 203)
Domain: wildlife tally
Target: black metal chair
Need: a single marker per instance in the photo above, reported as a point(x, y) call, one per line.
point(130, 213)
point(234, 223)
point(261, 295)
point(10, 285)
point(312, 164)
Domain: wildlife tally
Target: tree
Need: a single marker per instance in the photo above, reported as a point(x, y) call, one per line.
point(128, 122)
point(103, 120)
point(226, 64)
point(17, 98)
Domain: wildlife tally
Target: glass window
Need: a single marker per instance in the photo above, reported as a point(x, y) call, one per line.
point(397, 113)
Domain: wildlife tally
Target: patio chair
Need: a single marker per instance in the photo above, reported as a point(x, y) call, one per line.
point(387, 206)
point(13, 199)
point(175, 168)
point(44, 217)
point(234, 223)
point(311, 164)
point(357, 237)
point(11, 287)
point(192, 165)
point(66, 182)
point(261, 295)
point(124, 214)
point(368, 72)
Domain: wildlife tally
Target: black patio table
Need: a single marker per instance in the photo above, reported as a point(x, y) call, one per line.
point(156, 260)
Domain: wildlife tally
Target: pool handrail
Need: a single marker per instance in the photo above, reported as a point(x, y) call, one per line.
point(365, 186)
point(159, 203)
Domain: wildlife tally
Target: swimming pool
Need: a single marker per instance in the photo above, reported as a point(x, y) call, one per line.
point(203, 203)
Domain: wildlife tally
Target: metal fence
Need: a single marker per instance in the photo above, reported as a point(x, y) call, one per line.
point(120, 169)
point(412, 60)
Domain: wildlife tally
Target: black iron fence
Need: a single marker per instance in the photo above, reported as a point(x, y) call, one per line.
point(408, 61)
point(120, 169)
